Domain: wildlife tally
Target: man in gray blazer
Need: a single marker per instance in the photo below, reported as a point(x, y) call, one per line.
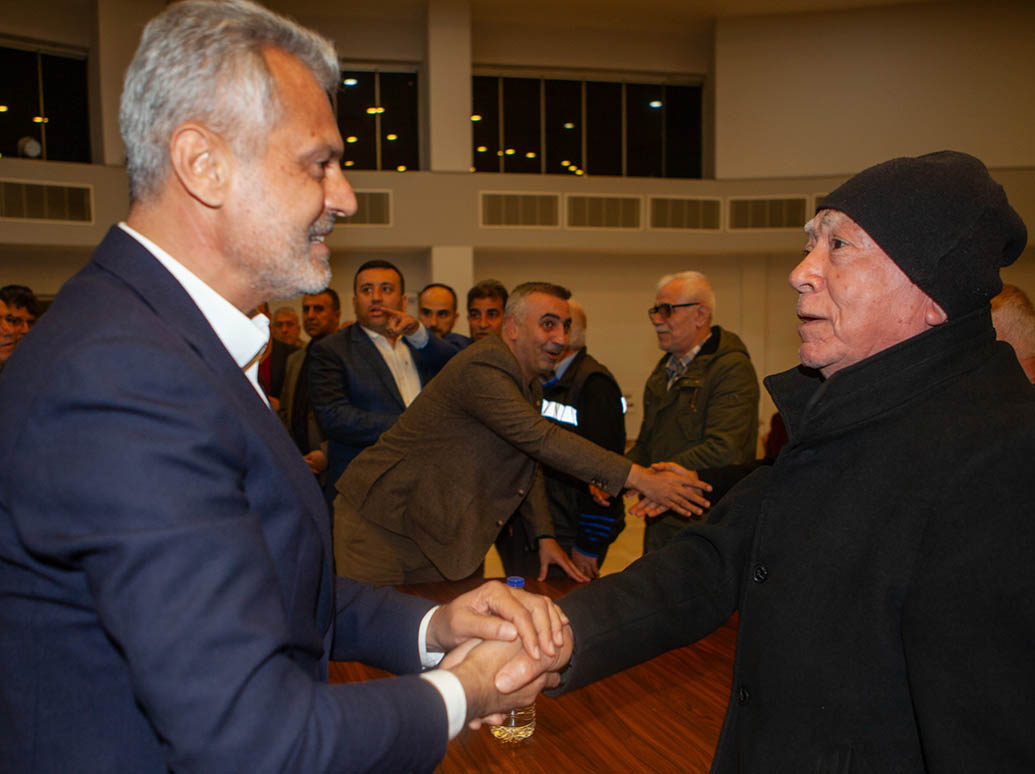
point(399, 519)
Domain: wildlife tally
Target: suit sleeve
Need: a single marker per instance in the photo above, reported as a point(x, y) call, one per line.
point(495, 399)
point(667, 599)
point(153, 514)
point(331, 393)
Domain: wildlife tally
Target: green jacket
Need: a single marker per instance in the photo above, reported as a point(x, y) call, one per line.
point(709, 417)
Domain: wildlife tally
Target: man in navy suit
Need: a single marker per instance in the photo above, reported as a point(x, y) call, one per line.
point(363, 377)
point(167, 590)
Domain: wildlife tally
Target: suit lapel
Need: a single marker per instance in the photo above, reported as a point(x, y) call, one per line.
point(123, 256)
point(370, 353)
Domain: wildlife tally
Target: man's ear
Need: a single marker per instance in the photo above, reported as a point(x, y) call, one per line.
point(202, 163)
point(933, 313)
point(510, 330)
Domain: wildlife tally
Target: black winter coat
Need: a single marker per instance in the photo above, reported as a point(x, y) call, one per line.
point(882, 569)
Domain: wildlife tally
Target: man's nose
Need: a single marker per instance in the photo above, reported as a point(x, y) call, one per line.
point(339, 197)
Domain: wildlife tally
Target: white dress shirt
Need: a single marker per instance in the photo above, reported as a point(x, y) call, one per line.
point(400, 361)
point(245, 339)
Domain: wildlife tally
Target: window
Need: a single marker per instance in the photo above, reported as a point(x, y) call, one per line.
point(555, 126)
point(378, 117)
point(43, 105)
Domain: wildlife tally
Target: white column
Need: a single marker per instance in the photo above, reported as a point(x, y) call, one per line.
point(454, 266)
point(119, 25)
point(449, 85)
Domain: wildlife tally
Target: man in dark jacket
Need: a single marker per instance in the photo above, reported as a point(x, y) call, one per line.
point(700, 404)
point(583, 396)
point(882, 565)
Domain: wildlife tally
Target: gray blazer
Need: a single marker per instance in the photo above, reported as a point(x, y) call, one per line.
point(464, 457)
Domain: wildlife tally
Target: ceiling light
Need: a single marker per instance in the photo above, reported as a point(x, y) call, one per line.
point(350, 163)
point(401, 168)
point(352, 138)
point(350, 81)
point(565, 163)
point(510, 151)
point(476, 117)
point(482, 149)
point(530, 155)
point(656, 103)
point(391, 137)
point(569, 125)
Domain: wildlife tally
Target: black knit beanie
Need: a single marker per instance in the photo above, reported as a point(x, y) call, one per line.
point(942, 219)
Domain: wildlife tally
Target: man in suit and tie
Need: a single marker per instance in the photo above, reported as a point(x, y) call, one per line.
point(167, 590)
point(321, 314)
point(363, 377)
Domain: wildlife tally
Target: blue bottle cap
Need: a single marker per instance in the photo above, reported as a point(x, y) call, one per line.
point(516, 581)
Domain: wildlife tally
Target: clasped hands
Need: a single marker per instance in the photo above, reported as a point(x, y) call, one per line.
point(504, 644)
point(661, 487)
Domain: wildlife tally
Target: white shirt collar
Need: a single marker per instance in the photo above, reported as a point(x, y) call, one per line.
point(244, 338)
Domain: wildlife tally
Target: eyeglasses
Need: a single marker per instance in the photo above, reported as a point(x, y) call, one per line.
point(664, 311)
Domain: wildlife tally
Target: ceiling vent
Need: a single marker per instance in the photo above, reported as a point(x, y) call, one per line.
point(604, 212)
point(373, 208)
point(51, 202)
point(685, 214)
point(750, 214)
point(520, 210)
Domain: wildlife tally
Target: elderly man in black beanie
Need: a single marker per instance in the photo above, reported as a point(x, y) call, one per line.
point(882, 566)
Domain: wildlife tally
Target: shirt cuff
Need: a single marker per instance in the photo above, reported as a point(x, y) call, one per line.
point(427, 660)
point(419, 338)
point(452, 691)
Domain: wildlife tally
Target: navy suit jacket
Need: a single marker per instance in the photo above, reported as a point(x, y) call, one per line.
point(354, 395)
point(167, 592)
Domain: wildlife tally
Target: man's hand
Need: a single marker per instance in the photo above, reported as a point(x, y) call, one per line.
point(601, 497)
point(398, 323)
point(317, 461)
point(499, 676)
point(647, 507)
point(550, 552)
point(494, 611)
point(671, 486)
point(587, 564)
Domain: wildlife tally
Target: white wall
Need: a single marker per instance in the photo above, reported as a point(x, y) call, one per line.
point(832, 93)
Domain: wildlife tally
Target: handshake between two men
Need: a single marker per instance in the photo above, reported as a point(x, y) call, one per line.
point(503, 644)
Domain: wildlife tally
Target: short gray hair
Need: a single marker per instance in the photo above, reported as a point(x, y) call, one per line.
point(702, 288)
point(577, 334)
point(202, 60)
point(519, 296)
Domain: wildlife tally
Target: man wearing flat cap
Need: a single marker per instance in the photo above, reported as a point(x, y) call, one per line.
point(882, 567)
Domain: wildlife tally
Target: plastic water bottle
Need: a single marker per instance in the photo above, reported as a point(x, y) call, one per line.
point(519, 723)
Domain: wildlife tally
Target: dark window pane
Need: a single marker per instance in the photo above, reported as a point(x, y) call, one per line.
point(563, 126)
point(603, 128)
point(67, 111)
point(683, 131)
point(400, 141)
point(644, 124)
point(485, 132)
point(19, 92)
point(356, 124)
point(521, 130)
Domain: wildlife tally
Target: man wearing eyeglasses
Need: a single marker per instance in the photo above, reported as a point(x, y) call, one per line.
point(18, 311)
point(700, 404)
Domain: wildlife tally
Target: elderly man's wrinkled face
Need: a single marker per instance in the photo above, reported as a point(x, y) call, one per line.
point(853, 301)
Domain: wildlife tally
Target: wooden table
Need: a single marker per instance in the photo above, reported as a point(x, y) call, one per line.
point(661, 716)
